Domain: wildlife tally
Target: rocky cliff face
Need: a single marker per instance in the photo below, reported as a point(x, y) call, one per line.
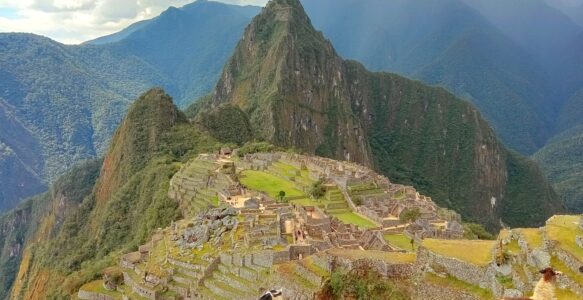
point(291, 82)
point(297, 92)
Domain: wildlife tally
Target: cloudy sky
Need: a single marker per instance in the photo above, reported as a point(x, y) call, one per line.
point(76, 21)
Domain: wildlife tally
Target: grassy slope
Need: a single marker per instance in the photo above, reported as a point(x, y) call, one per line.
point(269, 184)
point(476, 252)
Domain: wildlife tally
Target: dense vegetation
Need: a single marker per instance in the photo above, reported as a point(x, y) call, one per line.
point(228, 124)
point(562, 162)
point(119, 212)
point(21, 225)
point(361, 283)
point(61, 104)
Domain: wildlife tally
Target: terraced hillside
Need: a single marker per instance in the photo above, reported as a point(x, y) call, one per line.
point(509, 266)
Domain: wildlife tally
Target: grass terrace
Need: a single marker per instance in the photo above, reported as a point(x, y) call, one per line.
point(269, 184)
point(564, 230)
point(566, 295)
point(322, 202)
point(459, 285)
point(476, 252)
point(389, 257)
point(514, 247)
point(400, 240)
point(561, 266)
point(356, 219)
point(97, 287)
point(533, 237)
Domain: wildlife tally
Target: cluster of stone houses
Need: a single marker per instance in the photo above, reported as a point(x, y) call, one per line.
point(272, 233)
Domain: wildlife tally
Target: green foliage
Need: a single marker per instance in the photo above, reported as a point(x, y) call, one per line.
point(410, 215)
point(476, 231)
point(150, 147)
point(317, 190)
point(562, 162)
point(529, 192)
point(66, 101)
point(362, 283)
point(256, 147)
point(227, 123)
point(22, 223)
point(281, 195)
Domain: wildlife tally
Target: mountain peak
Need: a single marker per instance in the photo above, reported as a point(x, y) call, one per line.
point(138, 138)
point(286, 10)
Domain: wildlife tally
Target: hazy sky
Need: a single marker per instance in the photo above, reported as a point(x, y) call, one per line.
point(76, 21)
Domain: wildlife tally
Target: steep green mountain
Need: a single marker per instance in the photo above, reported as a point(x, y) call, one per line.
point(446, 43)
point(61, 104)
point(298, 93)
point(561, 157)
point(20, 163)
point(562, 161)
point(61, 239)
point(37, 216)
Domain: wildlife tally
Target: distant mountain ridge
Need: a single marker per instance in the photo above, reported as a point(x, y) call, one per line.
point(450, 44)
point(60, 104)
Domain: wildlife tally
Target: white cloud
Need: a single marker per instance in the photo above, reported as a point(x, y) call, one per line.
point(76, 21)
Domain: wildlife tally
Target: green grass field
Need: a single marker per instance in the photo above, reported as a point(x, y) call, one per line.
point(565, 229)
point(456, 284)
point(97, 287)
point(356, 219)
point(269, 184)
point(390, 257)
point(473, 251)
point(533, 237)
point(401, 241)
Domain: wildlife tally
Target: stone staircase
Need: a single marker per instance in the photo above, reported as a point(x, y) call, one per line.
point(335, 204)
point(196, 185)
point(232, 280)
point(365, 190)
point(304, 275)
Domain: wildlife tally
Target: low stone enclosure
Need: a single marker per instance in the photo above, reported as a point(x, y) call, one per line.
point(236, 241)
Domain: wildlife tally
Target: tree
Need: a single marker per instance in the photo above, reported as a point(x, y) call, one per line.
point(410, 215)
point(281, 195)
point(317, 191)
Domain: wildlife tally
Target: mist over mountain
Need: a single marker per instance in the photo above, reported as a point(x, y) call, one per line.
point(571, 8)
point(450, 44)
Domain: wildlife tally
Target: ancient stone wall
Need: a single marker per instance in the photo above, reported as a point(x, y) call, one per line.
point(138, 289)
point(295, 251)
point(428, 291)
point(483, 277)
point(86, 295)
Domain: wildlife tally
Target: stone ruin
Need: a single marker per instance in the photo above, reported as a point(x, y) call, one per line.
point(208, 226)
point(273, 233)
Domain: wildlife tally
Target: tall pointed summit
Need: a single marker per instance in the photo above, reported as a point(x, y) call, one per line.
point(290, 81)
point(298, 92)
